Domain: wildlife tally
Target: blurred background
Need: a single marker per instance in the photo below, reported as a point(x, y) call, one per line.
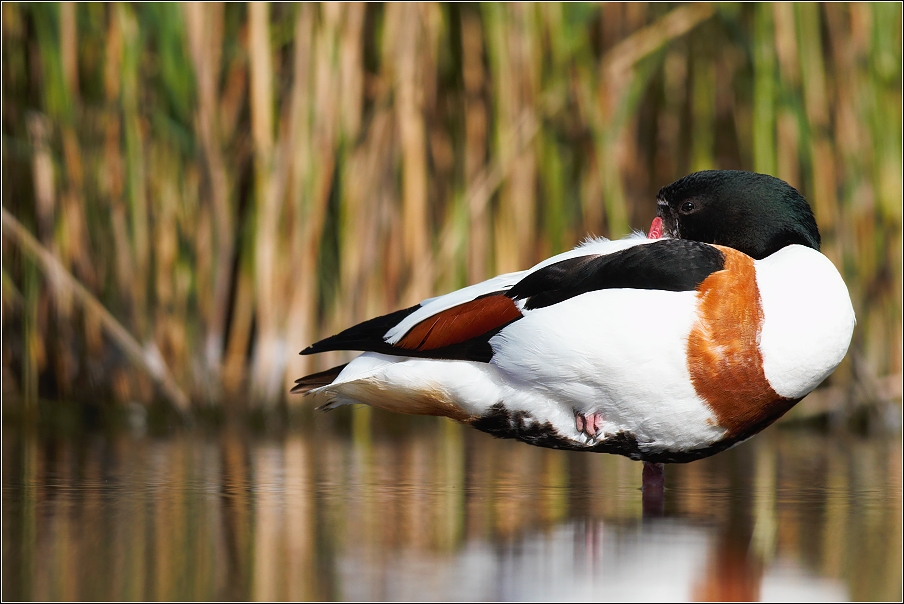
point(192, 193)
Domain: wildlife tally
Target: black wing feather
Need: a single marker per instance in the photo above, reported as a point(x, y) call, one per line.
point(316, 380)
point(368, 336)
point(671, 264)
point(363, 336)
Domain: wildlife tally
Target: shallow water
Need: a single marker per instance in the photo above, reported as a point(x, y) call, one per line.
point(345, 508)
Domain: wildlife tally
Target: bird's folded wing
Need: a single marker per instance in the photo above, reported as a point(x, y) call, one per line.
point(460, 324)
point(460, 332)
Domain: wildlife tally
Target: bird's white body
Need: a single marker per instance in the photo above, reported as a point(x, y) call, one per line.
point(621, 354)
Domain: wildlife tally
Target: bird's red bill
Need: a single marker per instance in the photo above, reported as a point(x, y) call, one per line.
point(655, 229)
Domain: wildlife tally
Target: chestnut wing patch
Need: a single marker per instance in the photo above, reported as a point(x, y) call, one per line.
point(461, 323)
point(668, 264)
point(462, 332)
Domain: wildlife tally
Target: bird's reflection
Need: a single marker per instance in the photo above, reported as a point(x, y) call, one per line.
point(732, 573)
point(693, 537)
point(445, 515)
point(664, 560)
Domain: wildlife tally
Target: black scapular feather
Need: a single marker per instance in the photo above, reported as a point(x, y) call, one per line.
point(670, 264)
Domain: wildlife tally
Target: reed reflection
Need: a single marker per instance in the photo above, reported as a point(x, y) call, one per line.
point(422, 509)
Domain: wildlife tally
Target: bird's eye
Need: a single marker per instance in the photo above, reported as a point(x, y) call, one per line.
point(687, 207)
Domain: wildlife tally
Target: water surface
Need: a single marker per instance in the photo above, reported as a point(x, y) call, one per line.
point(344, 508)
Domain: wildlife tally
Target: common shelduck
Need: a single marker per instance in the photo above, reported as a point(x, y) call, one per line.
point(666, 347)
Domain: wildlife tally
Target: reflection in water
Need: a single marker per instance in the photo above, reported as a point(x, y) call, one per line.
point(420, 508)
point(581, 561)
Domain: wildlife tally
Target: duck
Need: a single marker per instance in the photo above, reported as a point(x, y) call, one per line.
point(666, 347)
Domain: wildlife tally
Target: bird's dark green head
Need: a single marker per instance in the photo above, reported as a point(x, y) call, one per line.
point(753, 213)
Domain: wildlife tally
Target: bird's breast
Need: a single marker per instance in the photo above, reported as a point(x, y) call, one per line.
point(724, 359)
point(808, 319)
point(767, 333)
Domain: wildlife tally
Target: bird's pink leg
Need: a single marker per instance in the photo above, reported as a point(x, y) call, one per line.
point(590, 424)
